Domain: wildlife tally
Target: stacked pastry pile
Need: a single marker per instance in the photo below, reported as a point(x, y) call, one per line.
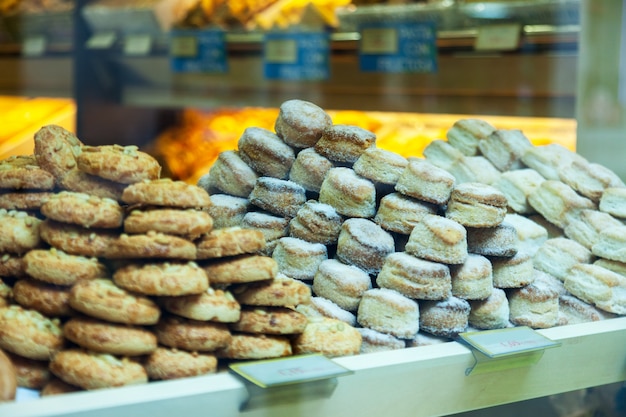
point(486, 231)
point(111, 275)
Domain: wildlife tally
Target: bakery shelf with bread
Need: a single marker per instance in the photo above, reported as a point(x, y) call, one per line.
point(308, 238)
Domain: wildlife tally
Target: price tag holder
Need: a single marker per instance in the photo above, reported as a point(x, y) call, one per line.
point(296, 56)
point(137, 45)
point(201, 51)
point(397, 47)
point(104, 40)
point(287, 380)
point(33, 46)
point(500, 349)
point(501, 37)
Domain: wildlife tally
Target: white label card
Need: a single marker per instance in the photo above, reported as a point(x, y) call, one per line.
point(509, 341)
point(103, 40)
point(34, 46)
point(503, 37)
point(137, 45)
point(290, 370)
point(283, 51)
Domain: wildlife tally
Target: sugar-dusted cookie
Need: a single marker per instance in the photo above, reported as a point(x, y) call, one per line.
point(22, 172)
point(151, 245)
point(56, 150)
point(192, 335)
point(105, 337)
point(102, 299)
point(256, 346)
point(166, 192)
point(330, 337)
point(123, 164)
point(57, 267)
point(229, 241)
point(270, 320)
point(211, 305)
point(85, 210)
point(24, 200)
point(48, 299)
point(240, 269)
point(162, 278)
point(19, 231)
point(281, 291)
point(170, 363)
point(188, 223)
point(91, 370)
point(77, 240)
point(29, 333)
point(79, 181)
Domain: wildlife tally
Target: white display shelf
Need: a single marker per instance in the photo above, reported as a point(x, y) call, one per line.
point(416, 382)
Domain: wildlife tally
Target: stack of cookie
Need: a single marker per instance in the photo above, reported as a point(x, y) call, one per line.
point(438, 244)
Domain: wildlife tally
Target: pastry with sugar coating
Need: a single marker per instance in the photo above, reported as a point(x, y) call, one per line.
point(329, 337)
point(466, 134)
point(414, 277)
point(446, 318)
point(558, 255)
point(535, 305)
point(549, 160)
point(350, 194)
point(265, 152)
point(530, 234)
point(500, 240)
point(610, 244)
point(364, 244)
point(474, 169)
point(229, 174)
point(490, 313)
point(517, 185)
point(309, 169)
point(316, 222)
point(344, 143)
point(513, 272)
point(298, 258)
point(613, 201)
point(342, 284)
point(440, 153)
point(439, 239)
point(558, 202)
point(425, 181)
point(390, 312)
point(374, 341)
point(473, 279)
point(380, 165)
point(474, 204)
point(504, 148)
point(323, 307)
point(589, 179)
point(281, 197)
point(587, 227)
point(598, 286)
point(301, 123)
point(227, 210)
point(399, 213)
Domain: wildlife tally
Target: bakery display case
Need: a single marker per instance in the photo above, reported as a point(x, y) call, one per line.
point(127, 92)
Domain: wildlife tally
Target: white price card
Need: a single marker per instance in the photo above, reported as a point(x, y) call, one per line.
point(104, 40)
point(283, 51)
point(501, 37)
point(289, 370)
point(34, 46)
point(379, 40)
point(137, 45)
point(509, 341)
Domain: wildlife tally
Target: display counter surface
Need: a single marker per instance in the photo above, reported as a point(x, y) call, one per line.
point(421, 381)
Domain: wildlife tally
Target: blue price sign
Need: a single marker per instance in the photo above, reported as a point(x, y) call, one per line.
point(398, 47)
point(198, 51)
point(296, 55)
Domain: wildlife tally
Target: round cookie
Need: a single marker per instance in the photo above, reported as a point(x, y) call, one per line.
point(340, 283)
point(281, 291)
point(192, 335)
point(151, 245)
point(317, 223)
point(48, 299)
point(445, 318)
point(166, 364)
point(162, 278)
point(301, 123)
point(189, 223)
point(309, 169)
point(8, 378)
point(230, 175)
point(56, 386)
point(298, 258)
point(390, 312)
point(57, 267)
point(29, 200)
point(344, 143)
point(84, 210)
point(12, 265)
point(102, 299)
point(364, 244)
point(280, 197)
point(30, 373)
point(91, 370)
point(265, 152)
point(6, 294)
point(123, 164)
point(166, 192)
point(241, 269)
point(105, 337)
point(348, 193)
point(415, 278)
point(229, 241)
point(22, 172)
point(76, 240)
point(30, 334)
point(256, 346)
point(211, 305)
point(56, 150)
point(19, 232)
point(329, 337)
point(81, 182)
point(270, 320)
